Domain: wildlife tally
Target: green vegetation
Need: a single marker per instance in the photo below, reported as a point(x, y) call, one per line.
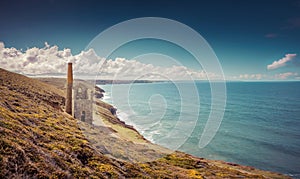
point(39, 140)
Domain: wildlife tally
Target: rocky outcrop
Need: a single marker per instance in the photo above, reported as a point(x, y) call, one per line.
point(99, 92)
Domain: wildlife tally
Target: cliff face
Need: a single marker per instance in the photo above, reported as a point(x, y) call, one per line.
point(39, 140)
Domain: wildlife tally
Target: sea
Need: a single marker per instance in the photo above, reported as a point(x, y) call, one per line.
point(258, 126)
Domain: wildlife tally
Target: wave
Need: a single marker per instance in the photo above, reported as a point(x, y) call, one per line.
point(106, 97)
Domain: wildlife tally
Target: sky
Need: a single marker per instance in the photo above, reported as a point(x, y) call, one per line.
point(253, 40)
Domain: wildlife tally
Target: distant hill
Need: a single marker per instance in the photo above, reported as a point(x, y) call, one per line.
point(39, 140)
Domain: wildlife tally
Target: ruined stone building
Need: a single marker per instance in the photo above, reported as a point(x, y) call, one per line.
point(83, 102)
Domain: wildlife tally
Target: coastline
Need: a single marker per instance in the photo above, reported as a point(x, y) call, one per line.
point(122, 115)
point(228, 161)
point(217, 163)
point(59, 138)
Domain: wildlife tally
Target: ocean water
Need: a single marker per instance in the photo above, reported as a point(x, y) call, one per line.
point(260, 127)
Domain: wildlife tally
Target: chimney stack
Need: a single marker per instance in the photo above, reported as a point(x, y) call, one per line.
point(69, 89)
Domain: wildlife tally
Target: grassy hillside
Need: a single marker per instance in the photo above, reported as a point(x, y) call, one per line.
point(39, 140)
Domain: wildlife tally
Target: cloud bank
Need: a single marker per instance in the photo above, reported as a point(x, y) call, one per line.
point(281, 62)
point(35, 61)
point(52, 61)
point(284, 76)
point(265, 77)
point(252, 76)
point(132, 69)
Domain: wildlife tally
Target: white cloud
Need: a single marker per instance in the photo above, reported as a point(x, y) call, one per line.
point(284, 76)
point(257, 76)
point(281, 62)
point(132, 69)
point(34, 60)
point(278, 76)
point(51, 60)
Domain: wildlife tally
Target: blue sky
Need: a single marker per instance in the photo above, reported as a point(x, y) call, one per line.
point(245, 35)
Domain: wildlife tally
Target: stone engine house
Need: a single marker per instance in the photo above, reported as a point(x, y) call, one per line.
point(83, 102)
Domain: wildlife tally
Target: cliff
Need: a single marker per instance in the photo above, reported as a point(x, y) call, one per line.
point(39, 140)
